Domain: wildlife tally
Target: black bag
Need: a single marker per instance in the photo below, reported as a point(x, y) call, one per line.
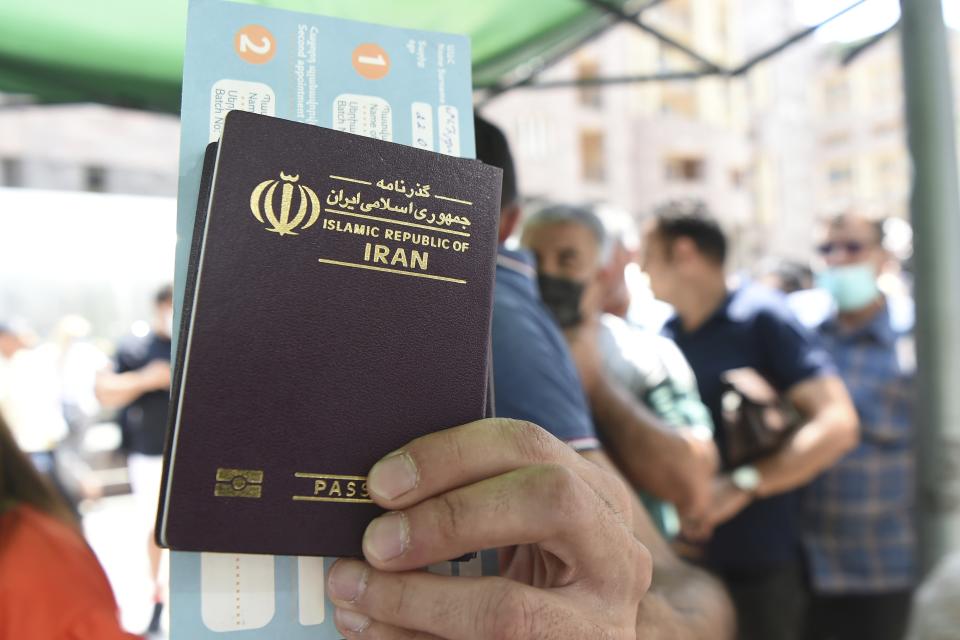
point(756, 420)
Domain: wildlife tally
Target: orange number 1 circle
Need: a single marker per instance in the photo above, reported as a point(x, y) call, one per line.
point(371, 61)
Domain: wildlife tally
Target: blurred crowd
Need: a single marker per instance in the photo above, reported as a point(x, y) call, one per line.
point(80, 413)
point(764, 418)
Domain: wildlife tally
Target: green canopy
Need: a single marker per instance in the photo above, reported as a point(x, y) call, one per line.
point(130, 52)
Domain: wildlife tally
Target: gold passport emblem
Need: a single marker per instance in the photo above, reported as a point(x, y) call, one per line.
point(262, 205)
point(238, 483)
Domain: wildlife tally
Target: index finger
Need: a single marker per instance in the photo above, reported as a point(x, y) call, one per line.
point(453, 458)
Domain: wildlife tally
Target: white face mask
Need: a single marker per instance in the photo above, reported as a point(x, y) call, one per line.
point(852, 286)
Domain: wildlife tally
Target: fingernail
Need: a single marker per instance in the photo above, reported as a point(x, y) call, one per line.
point(348, 579)
point(393, 476)
point(351, 620)
point(387, 537)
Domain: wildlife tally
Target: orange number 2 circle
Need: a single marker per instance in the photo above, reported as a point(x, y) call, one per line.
point(255, 44)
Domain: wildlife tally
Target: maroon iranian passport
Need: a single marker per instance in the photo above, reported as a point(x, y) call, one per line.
point(338, 306)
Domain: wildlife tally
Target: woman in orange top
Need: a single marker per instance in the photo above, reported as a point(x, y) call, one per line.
point(51, 585)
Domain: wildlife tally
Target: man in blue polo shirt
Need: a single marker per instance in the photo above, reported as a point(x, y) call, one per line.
point(752, 532)
point(534, 376)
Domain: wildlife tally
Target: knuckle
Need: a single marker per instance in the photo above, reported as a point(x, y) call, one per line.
point(562, 489)
point(511, 615)
point(531, 442)
point(449, 517)
point(453, 450)
point(616, 491)
point(390, 596)
point(445, 445)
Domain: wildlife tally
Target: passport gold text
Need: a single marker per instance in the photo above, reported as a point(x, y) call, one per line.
point(334, 488)
point(382, 254)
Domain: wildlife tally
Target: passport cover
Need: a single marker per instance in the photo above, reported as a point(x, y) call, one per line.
point(339, 306)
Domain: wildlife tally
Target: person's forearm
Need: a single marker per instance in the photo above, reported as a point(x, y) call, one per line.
point(114, 390)
point(813, 448)
point(684, 603)
point(653, 457)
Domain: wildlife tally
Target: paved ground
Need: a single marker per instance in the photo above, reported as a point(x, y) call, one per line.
point(120, 544)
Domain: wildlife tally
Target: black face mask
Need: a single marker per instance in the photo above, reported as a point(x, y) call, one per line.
point(562, 297)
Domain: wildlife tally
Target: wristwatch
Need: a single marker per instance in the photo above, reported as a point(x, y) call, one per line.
point(746, 478)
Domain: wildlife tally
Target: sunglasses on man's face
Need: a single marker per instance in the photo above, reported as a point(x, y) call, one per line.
point(851, 247)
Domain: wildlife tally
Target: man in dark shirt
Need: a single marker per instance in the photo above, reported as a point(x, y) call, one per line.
point(753, 528)
point(140, 387)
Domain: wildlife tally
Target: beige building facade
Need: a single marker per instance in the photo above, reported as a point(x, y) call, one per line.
point(636, 145)
point(863, 158)
point(88, 148)
point(801, 136)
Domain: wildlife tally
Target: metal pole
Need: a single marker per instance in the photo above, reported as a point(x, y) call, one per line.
point(708, 67)
point(501, 87)
point(637, 21)
point(935, 211)
point(796, 37)
point(613, 80)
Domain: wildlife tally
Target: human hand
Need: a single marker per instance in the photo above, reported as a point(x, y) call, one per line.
point(726, 502)
point(155, 376)
point(570, 564)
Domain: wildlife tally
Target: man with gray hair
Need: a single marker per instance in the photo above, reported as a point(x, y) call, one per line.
point(658, 431)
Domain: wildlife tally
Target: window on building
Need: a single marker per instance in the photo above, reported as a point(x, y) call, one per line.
point(590, 95)
point(738, 178)
point(592, 155)
point(95, 179)
point(886, 84)
point(893, 177)
point(11, 172)
point(685, 169)
point(678, 99)
point(669, 59)
point(837, 95)
point(534, 134)
point(840, 175)
point(723, 31)
point(890, 126)
point(890, 167)
point(835, 138)
point(676, 16)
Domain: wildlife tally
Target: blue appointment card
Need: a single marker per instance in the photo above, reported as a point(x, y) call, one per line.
point(406, 86)
point(400, 85)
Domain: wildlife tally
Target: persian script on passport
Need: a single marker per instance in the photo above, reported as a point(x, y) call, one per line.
point(338, 305)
